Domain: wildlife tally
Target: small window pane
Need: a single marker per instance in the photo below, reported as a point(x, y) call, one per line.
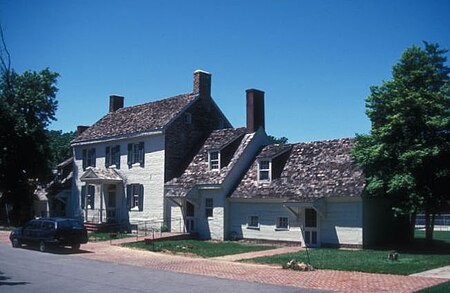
point(254, 221)
point(209, 207)
point(282, 223)
point(310, 218)
point(263, 175)
point(264, 165)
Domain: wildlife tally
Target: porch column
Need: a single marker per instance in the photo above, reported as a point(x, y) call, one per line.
point(101, 202)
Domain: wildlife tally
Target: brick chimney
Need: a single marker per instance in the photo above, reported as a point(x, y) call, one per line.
point(81, 129)
point(255, 110)
point(115, 103)
point(202, 83)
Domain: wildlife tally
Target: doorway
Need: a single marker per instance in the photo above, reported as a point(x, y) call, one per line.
point(311, 228)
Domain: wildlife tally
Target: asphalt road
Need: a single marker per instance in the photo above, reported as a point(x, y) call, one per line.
point(28, 270)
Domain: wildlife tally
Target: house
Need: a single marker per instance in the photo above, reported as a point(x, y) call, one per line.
point(122, 161)
point(180, 161)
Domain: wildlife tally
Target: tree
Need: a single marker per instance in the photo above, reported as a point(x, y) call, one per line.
point(59, 143)
point(27, 105)
point(406, 156)
point(277, 140)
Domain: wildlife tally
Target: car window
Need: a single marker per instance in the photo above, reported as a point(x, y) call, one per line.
point(68, 224)
point(75, 224)
point(47, 225)
point(33, 225)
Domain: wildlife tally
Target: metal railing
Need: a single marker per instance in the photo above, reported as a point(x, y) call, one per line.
point(441, 222)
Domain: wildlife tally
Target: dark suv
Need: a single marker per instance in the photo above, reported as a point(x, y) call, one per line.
point(50, 231)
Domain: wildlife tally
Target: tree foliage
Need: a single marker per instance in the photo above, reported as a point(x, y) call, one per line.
point(27, 106)
point(406, 156)
point(59, 143)
point(277, 140)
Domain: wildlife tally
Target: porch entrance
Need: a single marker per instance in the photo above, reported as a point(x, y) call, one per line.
point(111, 205)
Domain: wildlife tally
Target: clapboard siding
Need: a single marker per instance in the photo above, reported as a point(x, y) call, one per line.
point(343, 222)
point(267, 213)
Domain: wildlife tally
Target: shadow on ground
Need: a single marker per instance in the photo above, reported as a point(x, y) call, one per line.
point(4, 281)
point(56, 250)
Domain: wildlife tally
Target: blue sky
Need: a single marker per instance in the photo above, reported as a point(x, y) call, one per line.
point(314, 59)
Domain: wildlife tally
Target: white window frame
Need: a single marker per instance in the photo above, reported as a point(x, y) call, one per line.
point(278, 226)
point(210, 161)
point(134, 204)
point(249, 223)
point(268, 170)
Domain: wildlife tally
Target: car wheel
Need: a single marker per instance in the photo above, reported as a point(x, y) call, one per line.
point(42, 246)
point(16, 243)
point(76, 247)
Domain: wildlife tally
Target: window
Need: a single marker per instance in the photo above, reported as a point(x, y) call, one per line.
point(253, 222)
point(112, 156)
point(264, 170)
point(88, 157)
point(136, 154)
point(209, 207)
point(282, 223)
point(214, 160)
point(187, 118)
point(135, 197)
point(310, 218)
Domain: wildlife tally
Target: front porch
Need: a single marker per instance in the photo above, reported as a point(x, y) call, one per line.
point(103, 198)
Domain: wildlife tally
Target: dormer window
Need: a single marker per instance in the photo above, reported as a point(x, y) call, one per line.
point(264, 170)
point(214, 160)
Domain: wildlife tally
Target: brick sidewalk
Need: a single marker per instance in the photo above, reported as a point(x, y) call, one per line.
point(322, 279)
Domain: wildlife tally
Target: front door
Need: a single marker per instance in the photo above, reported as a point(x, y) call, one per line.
point(111, 207)
point(190, 217)
point(311, 228)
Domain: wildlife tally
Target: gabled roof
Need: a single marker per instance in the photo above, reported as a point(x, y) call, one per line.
point(100, 174)
point(274, 150)
point(311, 170)
point(137, 119)
point(233, 140)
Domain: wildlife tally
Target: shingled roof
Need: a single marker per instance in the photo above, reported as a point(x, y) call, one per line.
point(136, 119)
point(232, 140)
point(310, 170)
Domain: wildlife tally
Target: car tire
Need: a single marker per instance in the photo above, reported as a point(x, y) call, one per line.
point(16, 243)
point(42, 246)
point(76, 247)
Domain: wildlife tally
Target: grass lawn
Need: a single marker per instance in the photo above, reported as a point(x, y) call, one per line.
point(371, 261)
point(441, 288)
point(199, 248)
point(443, 236)
point(103, 236)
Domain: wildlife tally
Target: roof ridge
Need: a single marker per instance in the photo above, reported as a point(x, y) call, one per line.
point(150, 102)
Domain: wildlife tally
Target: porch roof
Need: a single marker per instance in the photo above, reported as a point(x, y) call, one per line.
point(101, 175)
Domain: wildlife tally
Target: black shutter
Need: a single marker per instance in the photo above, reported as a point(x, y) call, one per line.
point(84, 158)
point(141, 197)
point(83, 197)
point(117, 157)
point(141, 153)
point(129, 195)
point(94, 158)
point(130, 154)
point(108, 157)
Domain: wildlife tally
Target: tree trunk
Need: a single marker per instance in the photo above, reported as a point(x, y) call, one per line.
point(429, 226)
point(412, 226)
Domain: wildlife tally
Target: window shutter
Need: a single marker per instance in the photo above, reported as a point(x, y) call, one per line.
point(84, 158)
point(107, 157)
point(117, 156)
point(92, 197)
point(141, 153)
point(83, 197)
point(141, 197)
point(94, 158)
point(129, 195)
point(130, 154)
